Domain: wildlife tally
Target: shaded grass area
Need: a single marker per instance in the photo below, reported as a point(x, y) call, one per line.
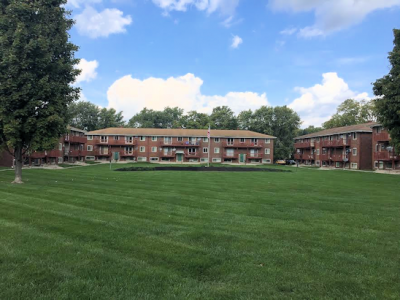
point(94, 233)
point(68, 165)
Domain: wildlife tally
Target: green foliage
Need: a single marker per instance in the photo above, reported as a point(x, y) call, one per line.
point(88, 116)
point(351, 112)
point(194, 120)
point(388, 90)
point(37, 68)
point(222, 117)
point(148, 118)
point(310, 129)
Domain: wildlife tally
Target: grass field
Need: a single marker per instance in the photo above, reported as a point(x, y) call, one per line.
point(80, 233)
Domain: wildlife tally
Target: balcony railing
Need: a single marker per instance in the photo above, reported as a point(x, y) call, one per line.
point(324, 157)
point(192, 154)
point(180, 144)
point(335, 143)
point(73, 152)
point(167, 154)
point(382, 136)
point(336, 157)
point(386, 155)
point(304, 145)
point(238, 144)
point(75, 139)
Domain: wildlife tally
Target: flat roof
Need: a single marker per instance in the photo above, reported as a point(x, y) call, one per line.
point(179, 132)
point(366, 127)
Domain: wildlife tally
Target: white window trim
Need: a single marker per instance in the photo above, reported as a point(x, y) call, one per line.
point(89, 137)
point(154, 139)
point(89, 148)
point(142, 138)
point(205, 150)
point(268, 141)
point(142, 147)
point(352, 152)
point(154, 148)
point(216, 152)
point(217, 140)
point(205, 140)
point(267, 151)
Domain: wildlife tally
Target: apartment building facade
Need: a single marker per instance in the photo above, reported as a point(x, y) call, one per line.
point(71, 148)
point(179, 145)
point(343, 147)
point(384, 155)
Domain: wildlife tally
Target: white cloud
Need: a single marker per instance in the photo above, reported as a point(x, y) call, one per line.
point(101, 24)
point(131, 95)
point(236, 41)
point(319, 102)
point(288, 31)
point(332, 15)
point(88, 70)
point(230, 21)
point(226, 7)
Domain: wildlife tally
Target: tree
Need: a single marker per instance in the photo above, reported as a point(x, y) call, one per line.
point(110, 118)
point(351, 112)
point(84, 115)
point(222, 117)
point(310, 129)
point(285, 125)
point(387, 89)
point(37, 68)
point(194, 120)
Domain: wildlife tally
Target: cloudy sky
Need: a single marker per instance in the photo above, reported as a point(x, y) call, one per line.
point(197, 54)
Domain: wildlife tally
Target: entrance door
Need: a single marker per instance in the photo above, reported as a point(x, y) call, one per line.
point(116, 156)
point(179, 157)
point(242, 158)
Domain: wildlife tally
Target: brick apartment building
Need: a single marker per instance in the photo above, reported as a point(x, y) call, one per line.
point(342, 147)
point(384, 156)
point(70, 148)
point(179, 145)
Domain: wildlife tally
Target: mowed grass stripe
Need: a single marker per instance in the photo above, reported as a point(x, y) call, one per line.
point(168, 235)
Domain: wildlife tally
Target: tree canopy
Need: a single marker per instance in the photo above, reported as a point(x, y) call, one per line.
point(148, 118)
point(352, 112)
point(37, 69)
point(387, 89)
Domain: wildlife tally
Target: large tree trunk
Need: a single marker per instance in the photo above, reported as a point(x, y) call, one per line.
point(18, 165)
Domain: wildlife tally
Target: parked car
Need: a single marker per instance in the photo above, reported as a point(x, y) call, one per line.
point(280, 162)
point(290, 162)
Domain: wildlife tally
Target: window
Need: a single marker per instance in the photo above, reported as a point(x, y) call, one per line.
point(267, 151)
point(192, 151)
point(168, 140)
point(266, 161)
point(103, 139)
point(205, 150)
point(254, 141)
point(216, 150)
point(180, 139)
point(317, 151)
point(59, 146)
point(153, 149)
point(142, 149)
point(337, 164)
point(88, 158)
point(378, 129)
point(216, 160)
point(354, 135)
point(354, 165)
point(216, 140)
point(154, 159)
point(154, 138)
point(205, 140)
point(142, 159)
point(354, 151)
point(242, 140)
point(376, 165)
point(142, 138)
point(230, 152)
point(116, 138)
point(317, 139)
point(90, 137)
point(204, 160)
point(60, 160)
point(229, 141)
point(128, 150)
point(89, 148)
point(192, 141)
point(268, 141)
point(129, 139)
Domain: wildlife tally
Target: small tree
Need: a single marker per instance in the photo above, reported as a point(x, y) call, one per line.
point(36, 72)
point(388, 90)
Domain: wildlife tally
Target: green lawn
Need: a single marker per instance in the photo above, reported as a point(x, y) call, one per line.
point(89, 232)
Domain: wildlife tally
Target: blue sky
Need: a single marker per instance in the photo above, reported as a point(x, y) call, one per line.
point(198, 54)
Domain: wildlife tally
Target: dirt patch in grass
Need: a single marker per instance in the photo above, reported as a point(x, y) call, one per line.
point(201, 169)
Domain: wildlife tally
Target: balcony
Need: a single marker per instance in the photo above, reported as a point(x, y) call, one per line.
point(112, 142)
point(192, 154)
point(336, 157)
point(75, 152)
point(308, 144)
point(179, 144)
point(229, 155)
point(253, 155)
point(99, 152)
point(386, 155)
point(324, 157)
point(383, 136)
point(335, 143)
point(238, 144)
point(126, 153)
point(167, 154)
point(75, 139)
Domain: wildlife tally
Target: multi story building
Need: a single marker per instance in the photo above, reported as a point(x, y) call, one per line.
point(70, 148)
point(341, 147)
point(384, 155)
point(179, 145)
